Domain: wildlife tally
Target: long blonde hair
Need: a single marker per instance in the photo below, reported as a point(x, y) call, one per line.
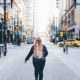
point(38, 48)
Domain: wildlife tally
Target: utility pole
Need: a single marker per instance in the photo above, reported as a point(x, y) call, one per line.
point(5, 22)
point(56, 27)
point(56, 22)
point(17, 18)
point(13, 22)
point(5, 28)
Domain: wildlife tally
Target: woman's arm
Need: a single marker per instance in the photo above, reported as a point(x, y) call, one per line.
point(30, 54)
point(45, 51)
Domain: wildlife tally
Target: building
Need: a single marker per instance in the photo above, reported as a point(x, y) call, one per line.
point(29, 15)
point(68, 16)
point(15, 21)
point(22, 17)
point(35, 17)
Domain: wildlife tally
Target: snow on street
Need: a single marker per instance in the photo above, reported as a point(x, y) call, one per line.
point(58, 65)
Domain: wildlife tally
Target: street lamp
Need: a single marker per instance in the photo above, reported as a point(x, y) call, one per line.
point(13, 25)
point(2, 27)
point(17, 18)
point(5, 22)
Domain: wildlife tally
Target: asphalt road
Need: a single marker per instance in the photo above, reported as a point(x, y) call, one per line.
point(12, 66)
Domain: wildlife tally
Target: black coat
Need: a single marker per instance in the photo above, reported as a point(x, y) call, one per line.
point(32, 51)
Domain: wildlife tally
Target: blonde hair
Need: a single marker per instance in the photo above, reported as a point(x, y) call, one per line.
point(38, 48)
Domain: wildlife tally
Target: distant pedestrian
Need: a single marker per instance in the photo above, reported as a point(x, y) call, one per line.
point(57, 39)
point(53, 40)
point(77, 38)
point(39, 52)
point(19, 41)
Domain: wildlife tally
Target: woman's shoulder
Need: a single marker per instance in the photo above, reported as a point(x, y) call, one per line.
point(32, 46)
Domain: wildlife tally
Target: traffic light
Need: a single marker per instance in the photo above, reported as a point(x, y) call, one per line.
point(11, 3)
point(75, 3)
point(78, 17)
point(65, 28)
point(61, 33)
point(6, 16)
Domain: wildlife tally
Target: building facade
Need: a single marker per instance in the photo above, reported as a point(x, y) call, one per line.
point(68, 16)
point(22, 17)
point(14, 19)
point(31, 16)
point(29, 12)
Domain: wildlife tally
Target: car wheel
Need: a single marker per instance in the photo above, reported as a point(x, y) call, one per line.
point(75, 45)
point(60, 45)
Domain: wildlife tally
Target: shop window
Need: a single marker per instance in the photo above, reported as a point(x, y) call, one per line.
point(68, 16)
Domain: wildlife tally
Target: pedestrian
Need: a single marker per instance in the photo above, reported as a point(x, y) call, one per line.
point(18, 40)
point(57, 40)
point(53, 40)
point(39, 52)
point(77, 38)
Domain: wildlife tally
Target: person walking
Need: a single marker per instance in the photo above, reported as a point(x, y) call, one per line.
point(39, 52)
point(19, 41)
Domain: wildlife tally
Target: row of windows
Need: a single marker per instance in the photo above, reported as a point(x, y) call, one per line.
point(69, 19)
point(57, 4)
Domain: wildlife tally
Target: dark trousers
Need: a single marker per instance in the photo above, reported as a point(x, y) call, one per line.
point(39, 66)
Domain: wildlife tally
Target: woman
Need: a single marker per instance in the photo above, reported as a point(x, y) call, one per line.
point(39, 53)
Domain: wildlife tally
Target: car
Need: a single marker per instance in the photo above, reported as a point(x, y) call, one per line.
point(69, 42)
point(30, 40)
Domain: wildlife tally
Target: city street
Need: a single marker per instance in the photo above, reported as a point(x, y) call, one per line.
point(59, 65)
point(23, 21)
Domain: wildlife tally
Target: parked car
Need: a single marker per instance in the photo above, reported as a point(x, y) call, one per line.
point(69, 42)
point(30, 40)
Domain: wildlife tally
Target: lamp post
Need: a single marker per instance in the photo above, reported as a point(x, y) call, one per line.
point(17, 18)
point(5, 22)
point(2, 28)
point(56, 31)
point(17, 27)
point(5, 28)
point(13, 25)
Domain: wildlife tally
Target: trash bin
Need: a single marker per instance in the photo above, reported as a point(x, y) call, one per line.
point(2, 49)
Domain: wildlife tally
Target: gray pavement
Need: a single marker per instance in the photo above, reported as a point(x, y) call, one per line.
point(12, 66)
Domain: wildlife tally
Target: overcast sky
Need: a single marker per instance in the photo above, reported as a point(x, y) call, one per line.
point(46, 9)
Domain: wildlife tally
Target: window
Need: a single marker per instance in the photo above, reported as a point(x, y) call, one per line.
point(68, 16)
point(72, 16)
point(69, 19)
point(71, 40)
point(66, 20)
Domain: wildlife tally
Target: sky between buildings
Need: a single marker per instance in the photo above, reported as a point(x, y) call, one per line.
point(46, 9)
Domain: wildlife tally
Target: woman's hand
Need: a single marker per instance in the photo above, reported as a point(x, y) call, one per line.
point(24, 61)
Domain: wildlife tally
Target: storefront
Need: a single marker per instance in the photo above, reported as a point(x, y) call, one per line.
point(71, 34)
